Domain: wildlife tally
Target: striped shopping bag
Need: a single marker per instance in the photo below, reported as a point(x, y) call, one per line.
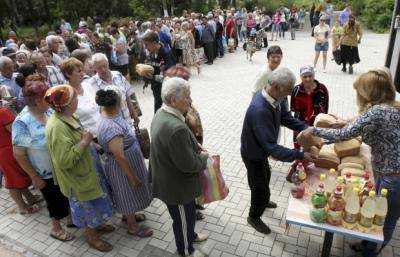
point(212, 183)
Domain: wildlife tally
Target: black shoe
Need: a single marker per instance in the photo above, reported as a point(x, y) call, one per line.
point(199, 207)
point(209, 63)
point(344, 69)
point(351, 70)
point(259, 225)
point(271, 205)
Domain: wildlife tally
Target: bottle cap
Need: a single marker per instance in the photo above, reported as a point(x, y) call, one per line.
point(332, 171)
point(384, 192)
point(356, 190)
point(366, 175)
point(348, 175)
point(372, 193)
point(370, 185)
point(340, 179)
point(322, 177)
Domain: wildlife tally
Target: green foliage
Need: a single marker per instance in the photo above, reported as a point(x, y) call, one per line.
point(139, 10)
point(377, 15)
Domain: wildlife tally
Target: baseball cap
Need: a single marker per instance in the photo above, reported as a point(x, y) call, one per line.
point(307, 70)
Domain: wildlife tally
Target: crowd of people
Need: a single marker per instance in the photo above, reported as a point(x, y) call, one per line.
point(69, 116)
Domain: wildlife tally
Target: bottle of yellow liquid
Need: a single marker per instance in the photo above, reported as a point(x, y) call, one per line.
point(367, 212)
point(381, 207)
point(330, 183)
point(348, 185)
point(352, 209)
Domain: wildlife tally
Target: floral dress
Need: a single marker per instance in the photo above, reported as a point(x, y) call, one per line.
point(189, 53)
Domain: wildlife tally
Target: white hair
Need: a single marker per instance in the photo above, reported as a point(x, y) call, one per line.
point(282, 77)
point(4, 60)
point(51, 38)
point(173, 87)
point(98, 57)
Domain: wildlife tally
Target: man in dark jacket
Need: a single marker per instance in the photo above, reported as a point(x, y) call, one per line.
point(259, 140)
point(207, 38)
point(161, 59)
point(176, 160)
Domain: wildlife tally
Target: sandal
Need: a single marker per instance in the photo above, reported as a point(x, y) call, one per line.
point(105, 229)
point(100, 245)
point(36, 199)
point(143, 232)
point(30, 210)
point(62, 235)
point(139, 217)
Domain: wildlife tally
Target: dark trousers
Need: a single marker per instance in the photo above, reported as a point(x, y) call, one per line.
point(220, 47)
point(209, 51)
point(156, 88)
point(183, 221)
point(258, 176)
point(57, 203)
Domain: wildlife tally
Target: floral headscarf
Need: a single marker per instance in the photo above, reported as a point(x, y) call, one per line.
point(59, 96)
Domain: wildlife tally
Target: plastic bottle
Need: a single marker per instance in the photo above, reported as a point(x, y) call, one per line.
point(298, 177)
point(352, 209)
point(348, 185)
point(368, 187)
point(336, 206)
point(322, 180)
point(367, 212)
point(340, 182)
point(381, 208)
point(318, 200)
point(330, 182)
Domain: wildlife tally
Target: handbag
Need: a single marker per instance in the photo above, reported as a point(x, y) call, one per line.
point(136, 105)
point(212, 183)
point(144, 140)
point(337, 56)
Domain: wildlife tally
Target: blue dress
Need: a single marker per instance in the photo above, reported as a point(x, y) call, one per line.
point(125, 198)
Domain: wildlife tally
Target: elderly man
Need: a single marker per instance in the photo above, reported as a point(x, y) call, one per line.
point(7, 77)
point(53, 75)
point(259, 140)
point(176, 161)
point(161, 59)
point(53, 43)
point(105, 78)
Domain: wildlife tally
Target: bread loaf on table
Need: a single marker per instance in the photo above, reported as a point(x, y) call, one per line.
point(347, 148)
point(144, 69)
point(350, 165)
point(324, 120)
point(308, 141)
point(327, 158)
point(353, 159)
point(354, 172)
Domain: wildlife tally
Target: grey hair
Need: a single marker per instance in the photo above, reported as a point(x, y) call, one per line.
point(185, 25)
point(173, 87)
point(4, 60)
point(98, 57)
point(50, 39)
point(282, 77)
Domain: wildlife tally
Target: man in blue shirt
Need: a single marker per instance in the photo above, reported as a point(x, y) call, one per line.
point(259, 140)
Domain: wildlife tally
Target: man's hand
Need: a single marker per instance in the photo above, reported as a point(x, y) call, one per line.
point(310, 157)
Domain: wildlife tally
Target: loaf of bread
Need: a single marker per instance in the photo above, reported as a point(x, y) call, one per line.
point(354, 172)
point(324, 120)
point(347, 148)
point(144, 69)
point(353, 159)
point(327, 158)
point(308, 141)
point(350, 165)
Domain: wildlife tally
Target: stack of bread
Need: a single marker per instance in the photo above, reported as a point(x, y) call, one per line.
point(144, 69)
point(351, 159)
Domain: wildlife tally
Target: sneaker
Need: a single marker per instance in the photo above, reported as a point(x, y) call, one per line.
point(201, 237)
point(259, 225)
point(351, 70)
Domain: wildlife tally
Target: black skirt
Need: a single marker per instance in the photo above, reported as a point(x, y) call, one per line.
point(349, 54)
point(57, 203)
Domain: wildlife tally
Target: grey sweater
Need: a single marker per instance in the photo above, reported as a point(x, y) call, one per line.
point(175, 161)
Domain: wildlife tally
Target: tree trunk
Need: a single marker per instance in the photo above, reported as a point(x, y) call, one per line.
point(165, 8)
point(14, 10)
point(47, 12)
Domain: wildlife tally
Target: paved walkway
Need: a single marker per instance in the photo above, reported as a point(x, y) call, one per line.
point(221, 93)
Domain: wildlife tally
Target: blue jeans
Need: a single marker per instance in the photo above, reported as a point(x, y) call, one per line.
point(392, 184)
point(220, 47)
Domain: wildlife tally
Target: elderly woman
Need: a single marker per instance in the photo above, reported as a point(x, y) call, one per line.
point(105, 78)
point(176, 160)
point(189, 57)
point(68, 145)
point(351, 37)
point(308, 99)
point(16, 180)
point(31, 152)
point(125, 169)
point(52, 75)
point(379, 127)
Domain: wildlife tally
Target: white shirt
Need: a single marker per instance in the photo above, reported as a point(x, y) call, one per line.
point(321, 33)
point(88, 112)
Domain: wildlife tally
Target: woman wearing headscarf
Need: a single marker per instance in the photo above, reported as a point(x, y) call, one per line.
point(31, 152)
point(351, 37)
point(68, 145)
